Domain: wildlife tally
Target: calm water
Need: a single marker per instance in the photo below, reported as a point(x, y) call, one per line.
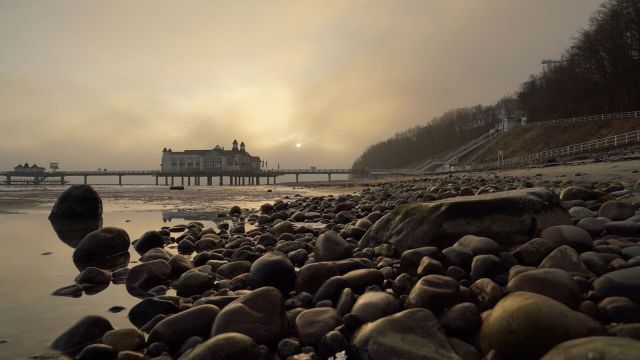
point(30, 318)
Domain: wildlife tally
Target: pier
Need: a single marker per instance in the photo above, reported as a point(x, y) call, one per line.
point(184, 178)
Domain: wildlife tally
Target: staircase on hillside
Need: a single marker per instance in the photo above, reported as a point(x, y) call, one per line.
point(445, 161)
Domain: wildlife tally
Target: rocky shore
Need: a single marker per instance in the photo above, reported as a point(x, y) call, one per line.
point(461, 267)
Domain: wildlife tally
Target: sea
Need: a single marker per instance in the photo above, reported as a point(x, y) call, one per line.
point(36, 256)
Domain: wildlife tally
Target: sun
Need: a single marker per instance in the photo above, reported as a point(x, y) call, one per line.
point(298, 145)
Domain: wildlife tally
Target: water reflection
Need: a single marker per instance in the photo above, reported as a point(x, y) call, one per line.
point(168, 216)
point(111, 263)
point(71, 232)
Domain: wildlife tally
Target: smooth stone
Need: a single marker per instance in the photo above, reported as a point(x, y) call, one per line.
point(331, 344)
point(619, 310)
point(282, 228)
point(227, 346)
point(288, 347)
point(410, 259)
point(156, 254)
point(259, 314)
point(464, 349)
point(487, 292)
point(429, 266)
point(330, 247)
point(124, 339)
point(509, 218)
point(149, 274)
point(311, 325)
point(579, 212)
point(622, 228)
point(93, 276)
point(359, 280)
point(458, 256)
point(175, 329)
point(273, 269)
point(596, 348)
point(616, 210)
point(179, 265)
point(578, 193)
point(485, 266)
point(147, 309)
point(102, 246)
point(433, 292)
point(86, 331)
point(413, 334)
point(534, 251)
point(631, 331)
point(193, 282)
point(570, 235)
point(233, 269)
point(374, 305)
point(461, 319)
point(556, 284)
point(149, 240)
point(525, 325)
point(594, 262)
point(624, 282)
point(330, 289)
point(74, 291)
point(593, 226)
point(312, 276)
point(478, 245)
point(567, 259)
point(97, 352)
point(77, 201)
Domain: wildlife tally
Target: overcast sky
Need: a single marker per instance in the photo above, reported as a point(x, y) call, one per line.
point(110, 83)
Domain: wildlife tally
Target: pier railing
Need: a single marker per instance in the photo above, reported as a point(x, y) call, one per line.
point(593, 145)
point(620, 115)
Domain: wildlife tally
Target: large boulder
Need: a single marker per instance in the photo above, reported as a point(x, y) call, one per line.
point(273, 269)
point(259, 315)
point(509, 218)
point(410, 334)
point(78, 201)
point(525, 325)
point(105, 248)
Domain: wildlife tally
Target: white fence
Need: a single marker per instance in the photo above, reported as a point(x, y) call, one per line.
point(621, 115)
point(603, 143)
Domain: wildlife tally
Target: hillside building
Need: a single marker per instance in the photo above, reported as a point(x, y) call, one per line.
point(213, 160)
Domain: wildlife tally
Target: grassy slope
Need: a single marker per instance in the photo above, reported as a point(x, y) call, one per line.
point(527, 139)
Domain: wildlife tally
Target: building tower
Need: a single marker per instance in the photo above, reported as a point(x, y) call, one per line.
point(235, 145)
point(242, 146)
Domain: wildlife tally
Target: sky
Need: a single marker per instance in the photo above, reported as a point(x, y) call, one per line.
point(109, 84)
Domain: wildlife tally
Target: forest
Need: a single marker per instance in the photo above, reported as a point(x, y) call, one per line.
point(599, 73)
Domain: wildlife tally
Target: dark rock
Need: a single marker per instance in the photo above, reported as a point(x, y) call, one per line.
point(619, 310)
point(147, 275)
point(175, 329)
point(97, 352)
point(282, 228)
point(509, 218)
point(565, 258)
point(148, 241)
point(288, 347)
point(233, 269)
point(374, 305)
point(429, 266)
point(155, 254)
point(410, 259)
point(570, 235)
point(330, 289)
point(433, 292)
point(525, 325)
point(93, 276)
point(105, 248)
point(458, 256)
point(625, 282)
point(311, 325)
point(485, 266)
point(259, 315)
point(312, 276)
point(616, 210)
point(461, 319)
point(228, 346)
point(147, 309)
point(554, 283)
point(331, 344)
point(179, 265)
point(595, 347)
point(487, 293)
point(78, 201)
point(273, 269)
point(72, 231)
point(478, 245)
point(86, 331)
point(410, 335)
point(534, 251)
point(330, 246)
point(74, 291)
point(193, 282)
point(359, 280)
point(622, 228)
point(578, 193)
point(124, 339)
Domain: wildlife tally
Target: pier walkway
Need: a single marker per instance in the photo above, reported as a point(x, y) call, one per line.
point(235, 177)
